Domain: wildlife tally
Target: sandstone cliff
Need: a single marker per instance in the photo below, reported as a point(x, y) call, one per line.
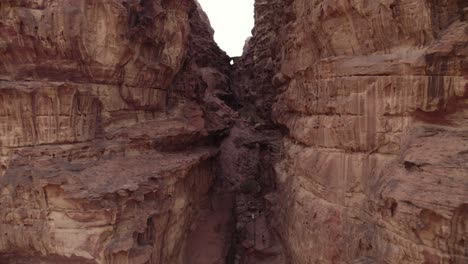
point(375, 103)
point(350, 145)
point(110, 113)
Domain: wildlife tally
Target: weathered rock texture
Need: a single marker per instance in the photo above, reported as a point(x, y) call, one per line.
point(253, 72)
point(374, 99)
point(109, 116)
point(112, 114)
point(246, 160)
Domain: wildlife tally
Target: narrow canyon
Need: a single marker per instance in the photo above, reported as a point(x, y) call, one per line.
point(340, 136)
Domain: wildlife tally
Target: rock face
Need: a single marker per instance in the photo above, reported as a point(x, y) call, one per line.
point(114, 141)
point(246, 160)
point(374, 99)
point(253, 72)
point(110, 113)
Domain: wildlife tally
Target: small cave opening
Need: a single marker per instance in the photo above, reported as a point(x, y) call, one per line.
point(232, 21)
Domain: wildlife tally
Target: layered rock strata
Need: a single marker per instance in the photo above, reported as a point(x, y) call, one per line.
point(373, 96)
point(113, 115)
point(110, 115)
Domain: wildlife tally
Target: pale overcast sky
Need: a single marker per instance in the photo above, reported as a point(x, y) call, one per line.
point(232, 21)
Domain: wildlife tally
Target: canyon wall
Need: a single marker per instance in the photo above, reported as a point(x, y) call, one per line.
point(373, 102)
point(253, 72)
point(350, 145)
point(110, 113)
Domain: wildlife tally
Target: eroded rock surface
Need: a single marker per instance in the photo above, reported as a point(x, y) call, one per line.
point(114, 141)
point(246, 161)
point(253, 72)
point(374, 99)
point(110, 115)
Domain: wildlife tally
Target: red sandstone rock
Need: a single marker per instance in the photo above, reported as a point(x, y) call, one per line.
point(111, 113)
point(108, 111)
point(376, 112)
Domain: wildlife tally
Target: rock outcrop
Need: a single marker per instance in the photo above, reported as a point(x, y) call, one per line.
point(118, 142)
point(253, 72)
point(373, 96)
point(110, 116)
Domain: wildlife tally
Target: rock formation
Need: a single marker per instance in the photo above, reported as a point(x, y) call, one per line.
point(120, 141)
point(110, 113)
point(253, 72)
point(373, 96)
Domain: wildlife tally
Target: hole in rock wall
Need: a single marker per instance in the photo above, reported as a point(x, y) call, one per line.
point(232, 21)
